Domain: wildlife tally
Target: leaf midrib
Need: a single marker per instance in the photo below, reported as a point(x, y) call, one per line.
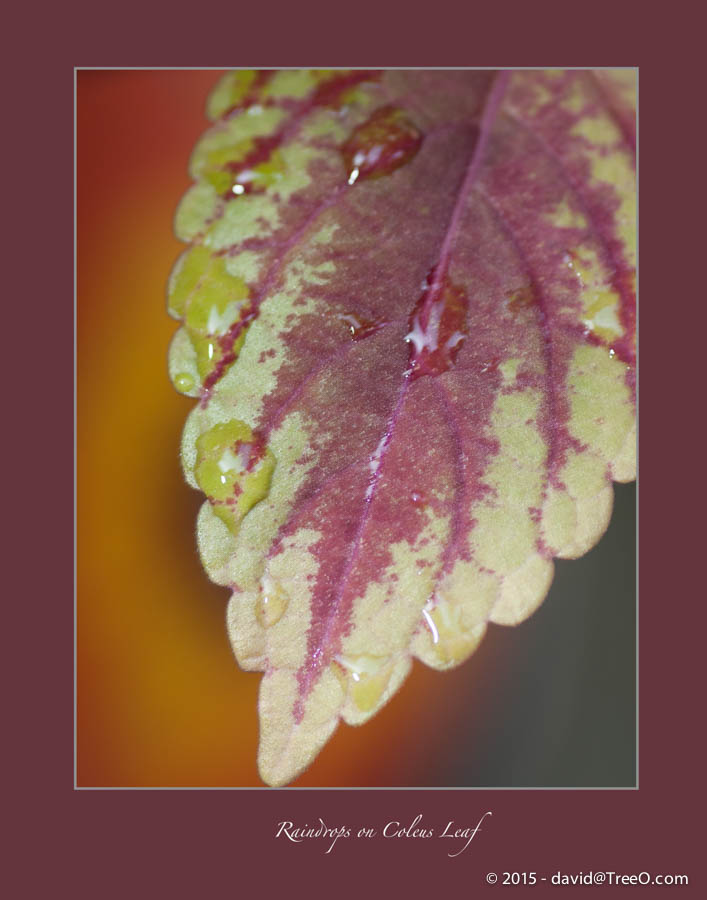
point(491, 107)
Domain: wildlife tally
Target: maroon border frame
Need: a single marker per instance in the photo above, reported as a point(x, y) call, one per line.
point(192, 843)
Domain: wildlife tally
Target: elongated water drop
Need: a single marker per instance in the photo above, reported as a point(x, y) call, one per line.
point(368, 677)
point(438, 326)
point(272, 602)
point(383, 143)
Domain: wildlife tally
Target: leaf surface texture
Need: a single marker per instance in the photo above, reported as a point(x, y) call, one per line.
point(407, 311)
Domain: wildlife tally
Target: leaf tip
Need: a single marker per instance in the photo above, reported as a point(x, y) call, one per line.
point(289, 742)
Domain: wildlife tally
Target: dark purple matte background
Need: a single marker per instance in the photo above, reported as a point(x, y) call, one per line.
point(221, 843)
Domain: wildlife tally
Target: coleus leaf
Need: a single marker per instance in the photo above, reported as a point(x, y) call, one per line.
point(408, 318)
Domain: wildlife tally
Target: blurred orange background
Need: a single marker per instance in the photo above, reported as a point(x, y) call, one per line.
point(160, 698)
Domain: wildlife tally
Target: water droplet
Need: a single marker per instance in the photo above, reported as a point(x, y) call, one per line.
point(612, 353)
point(572, 261)
point(184, 382)
point(489, 366)
point(430, 622)
point(368, 678)
point(360, 327)
point(417, 498)
point(217, 318)
point(253, 166)
point(383, 143)
point(241, 89)
point(451, 639)
point(520, 300)
point(272, 601)
point(233, 468)
point(438, 326)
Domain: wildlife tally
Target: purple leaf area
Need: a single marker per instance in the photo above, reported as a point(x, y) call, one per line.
point(412, 294)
